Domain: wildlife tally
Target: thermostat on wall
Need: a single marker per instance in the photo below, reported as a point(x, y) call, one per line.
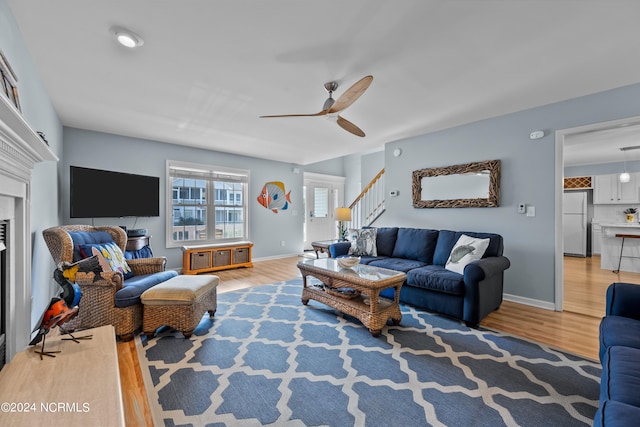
point(536, 134)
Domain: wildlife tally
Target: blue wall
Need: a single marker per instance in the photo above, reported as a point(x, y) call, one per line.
point(528, 176)
point(38, 111)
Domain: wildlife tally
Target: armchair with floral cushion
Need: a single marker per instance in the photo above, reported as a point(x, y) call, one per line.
point(110, 297)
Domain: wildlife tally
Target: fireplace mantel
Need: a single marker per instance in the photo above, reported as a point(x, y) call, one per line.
point(19, 142)
point(21, 148)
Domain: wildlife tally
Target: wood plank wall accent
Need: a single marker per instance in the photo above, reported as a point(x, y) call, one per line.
point(578, 182)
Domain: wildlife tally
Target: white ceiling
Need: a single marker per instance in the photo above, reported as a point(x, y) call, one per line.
point(209, 68)
point(603, 145)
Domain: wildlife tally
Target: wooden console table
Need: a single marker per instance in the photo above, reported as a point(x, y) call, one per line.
point(78, 387)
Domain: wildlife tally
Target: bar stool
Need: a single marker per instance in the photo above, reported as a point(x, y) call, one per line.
point(624, 236)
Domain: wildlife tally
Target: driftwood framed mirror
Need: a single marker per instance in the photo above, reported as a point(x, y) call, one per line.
point(469, 185)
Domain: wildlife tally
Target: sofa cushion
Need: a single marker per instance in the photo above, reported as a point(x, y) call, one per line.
point(621, 375)
point(436, 278)
point(386, 240)
point(135, 286)
point(363, 242)
point(85, 238)
point(616, 414)
point(447, 240)
point(466, 250)
point(369, 259)
point(618, 330)
point(415, 243)
point(398, 264)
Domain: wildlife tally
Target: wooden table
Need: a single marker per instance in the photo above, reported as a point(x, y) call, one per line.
point(78, 387)
point(138, 242)
point(322, 246)
point(368, 307)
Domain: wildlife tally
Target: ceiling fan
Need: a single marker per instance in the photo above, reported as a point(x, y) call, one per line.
point(332, 107)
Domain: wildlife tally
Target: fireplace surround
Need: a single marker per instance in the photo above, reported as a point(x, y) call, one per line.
point(21, 148)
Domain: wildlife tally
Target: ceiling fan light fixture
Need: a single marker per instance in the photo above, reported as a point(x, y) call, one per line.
point(328, 103)
point(127, 38)
point(329, 87)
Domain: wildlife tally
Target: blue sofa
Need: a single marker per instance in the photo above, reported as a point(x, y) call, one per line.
point(620, 358)
point(422, 255)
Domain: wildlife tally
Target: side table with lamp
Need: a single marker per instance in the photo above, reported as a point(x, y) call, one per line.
point(341, 215)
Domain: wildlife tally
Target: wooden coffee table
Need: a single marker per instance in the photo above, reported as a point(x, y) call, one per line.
point(365, 304)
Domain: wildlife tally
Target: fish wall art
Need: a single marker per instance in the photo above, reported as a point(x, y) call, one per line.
point(273, 196)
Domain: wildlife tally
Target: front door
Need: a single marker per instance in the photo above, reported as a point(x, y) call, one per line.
point(321, 199)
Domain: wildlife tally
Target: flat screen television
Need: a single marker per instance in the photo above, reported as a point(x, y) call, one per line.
point(96, 193)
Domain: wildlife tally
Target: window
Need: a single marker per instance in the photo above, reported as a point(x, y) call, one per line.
point(208, 204)
point(320, 202)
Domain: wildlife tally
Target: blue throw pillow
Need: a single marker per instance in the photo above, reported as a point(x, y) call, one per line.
point(112, 254)
point(415, 243)
point(386, 240)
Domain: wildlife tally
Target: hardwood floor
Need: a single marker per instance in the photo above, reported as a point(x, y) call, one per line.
point(574, 330)
point(585, 284)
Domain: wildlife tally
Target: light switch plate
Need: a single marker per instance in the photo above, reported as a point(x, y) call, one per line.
point(531, 211)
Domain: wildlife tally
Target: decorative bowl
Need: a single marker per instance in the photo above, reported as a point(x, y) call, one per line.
point(348, 262)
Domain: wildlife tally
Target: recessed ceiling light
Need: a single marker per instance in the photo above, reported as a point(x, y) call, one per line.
point(126, 37)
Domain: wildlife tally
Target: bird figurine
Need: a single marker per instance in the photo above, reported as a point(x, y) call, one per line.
point(56, 313)
point(86, 265)
point(71, 292)
point(63, 308)
point(65, 276)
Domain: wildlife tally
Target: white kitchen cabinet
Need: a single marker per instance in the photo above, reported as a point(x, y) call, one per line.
point(609, 190)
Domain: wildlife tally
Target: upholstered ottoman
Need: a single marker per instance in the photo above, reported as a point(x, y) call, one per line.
point(179, 303)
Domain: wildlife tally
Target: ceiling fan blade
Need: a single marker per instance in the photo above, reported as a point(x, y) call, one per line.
point(351, 94)
point(349, 127)
point(321, 113)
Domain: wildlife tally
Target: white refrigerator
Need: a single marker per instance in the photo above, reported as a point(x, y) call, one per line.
point(575, 223)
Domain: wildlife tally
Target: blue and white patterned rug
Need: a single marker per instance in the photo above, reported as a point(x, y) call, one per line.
point(266, 359)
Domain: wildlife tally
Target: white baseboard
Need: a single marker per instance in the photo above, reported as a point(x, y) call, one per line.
point(269, 258)
point(529, 301)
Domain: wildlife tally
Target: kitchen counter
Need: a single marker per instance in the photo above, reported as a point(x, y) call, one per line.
point(620, 224)
point(611, 247)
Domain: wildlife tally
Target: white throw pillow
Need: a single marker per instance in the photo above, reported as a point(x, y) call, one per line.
point(363, 242)
point(466, 250)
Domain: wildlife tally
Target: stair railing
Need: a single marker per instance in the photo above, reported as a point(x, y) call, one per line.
point(369, 204)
